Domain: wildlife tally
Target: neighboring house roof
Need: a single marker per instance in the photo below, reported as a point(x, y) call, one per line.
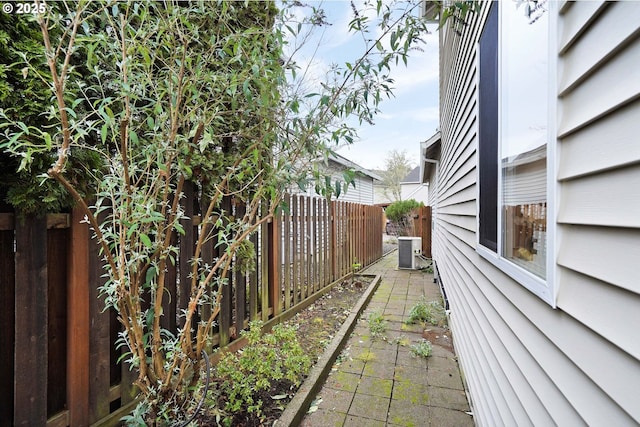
point(412, 177)
point(348, 163)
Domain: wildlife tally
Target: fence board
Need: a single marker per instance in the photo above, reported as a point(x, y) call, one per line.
point(208, 254)
point(253, 283)
point(187, 242)
point(57, 336)
point(264, 272)
point(240, 287)
point(77, 327)
point(296, 252)
point(7, 332)
point(274, 261)
point(99, 340)
point(169, 314)
point(226, 301)
point(30, 380)
point(286, 258)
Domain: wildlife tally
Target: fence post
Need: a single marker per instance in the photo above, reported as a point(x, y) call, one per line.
point(30, 368)
point(426, 230)
point(78, 322)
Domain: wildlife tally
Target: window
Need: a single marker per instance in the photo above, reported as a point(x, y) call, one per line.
point(514, 131)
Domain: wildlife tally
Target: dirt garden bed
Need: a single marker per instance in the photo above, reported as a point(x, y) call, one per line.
point(316, 327)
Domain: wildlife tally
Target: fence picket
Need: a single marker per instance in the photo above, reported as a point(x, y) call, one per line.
point(7, 332)
point(31, 352)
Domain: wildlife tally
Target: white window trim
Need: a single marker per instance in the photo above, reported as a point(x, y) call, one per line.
point(545, 289)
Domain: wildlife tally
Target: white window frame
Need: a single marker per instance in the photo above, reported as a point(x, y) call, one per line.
point(545, 289)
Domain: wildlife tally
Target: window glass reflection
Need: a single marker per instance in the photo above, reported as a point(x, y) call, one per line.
point(524, 118)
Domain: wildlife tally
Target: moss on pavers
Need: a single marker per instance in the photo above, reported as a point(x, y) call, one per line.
point(324, 418)
point(364, 354)
point(411, 374)
point(373, 407)
point(443, 363)
point(448, 417)
point(417, 394)
point(353, 421)
point(380, 344)
point(387, 354)
point(411, 327)
point(375, 387)
point(407, 358)
point(448, 378)
point(448, 398)
point(335, 400)
point(394, 317)
point(346, 381)
point(379, 370)
point(353, 366)
point(406, 414)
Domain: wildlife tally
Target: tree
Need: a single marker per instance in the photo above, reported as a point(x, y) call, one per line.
point(397, 166)
point(179, 92)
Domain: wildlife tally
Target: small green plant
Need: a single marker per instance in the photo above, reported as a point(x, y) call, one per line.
point(377, 324)
point(426, 312)
point(422, 349)
point(246, 377)
point(427, 269)
point(402, 340)
point(356, 266)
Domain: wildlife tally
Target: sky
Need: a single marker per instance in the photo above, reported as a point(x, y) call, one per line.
point(406, 119)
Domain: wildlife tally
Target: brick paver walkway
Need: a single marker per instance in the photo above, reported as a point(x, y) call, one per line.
point(379, 382)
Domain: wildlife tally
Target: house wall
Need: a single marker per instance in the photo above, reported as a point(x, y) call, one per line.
point(362, 193)
point(525, 362)
point(416, 191)
point(380, 195)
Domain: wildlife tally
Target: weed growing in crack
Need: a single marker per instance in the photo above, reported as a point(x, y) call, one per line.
point(427, 312)
point(422, 349)
point(377, 324)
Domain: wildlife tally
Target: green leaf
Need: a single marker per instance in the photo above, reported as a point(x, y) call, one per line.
point(151, 274)
point(103, 133)
point(146, 240)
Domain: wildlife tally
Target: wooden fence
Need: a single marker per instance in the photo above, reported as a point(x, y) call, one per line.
point(57, 356)
point(422, 228)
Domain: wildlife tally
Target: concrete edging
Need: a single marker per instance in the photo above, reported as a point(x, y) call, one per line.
point(297, 408)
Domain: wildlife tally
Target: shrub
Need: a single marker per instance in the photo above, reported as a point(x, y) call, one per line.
point(247, 376)
point(400, 213)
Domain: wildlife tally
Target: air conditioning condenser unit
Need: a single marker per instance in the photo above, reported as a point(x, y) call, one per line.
point(409, 248)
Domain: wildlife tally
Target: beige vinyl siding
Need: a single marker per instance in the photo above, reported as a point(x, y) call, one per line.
point(526, 363)
point(599, 175)
point(362, 193)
